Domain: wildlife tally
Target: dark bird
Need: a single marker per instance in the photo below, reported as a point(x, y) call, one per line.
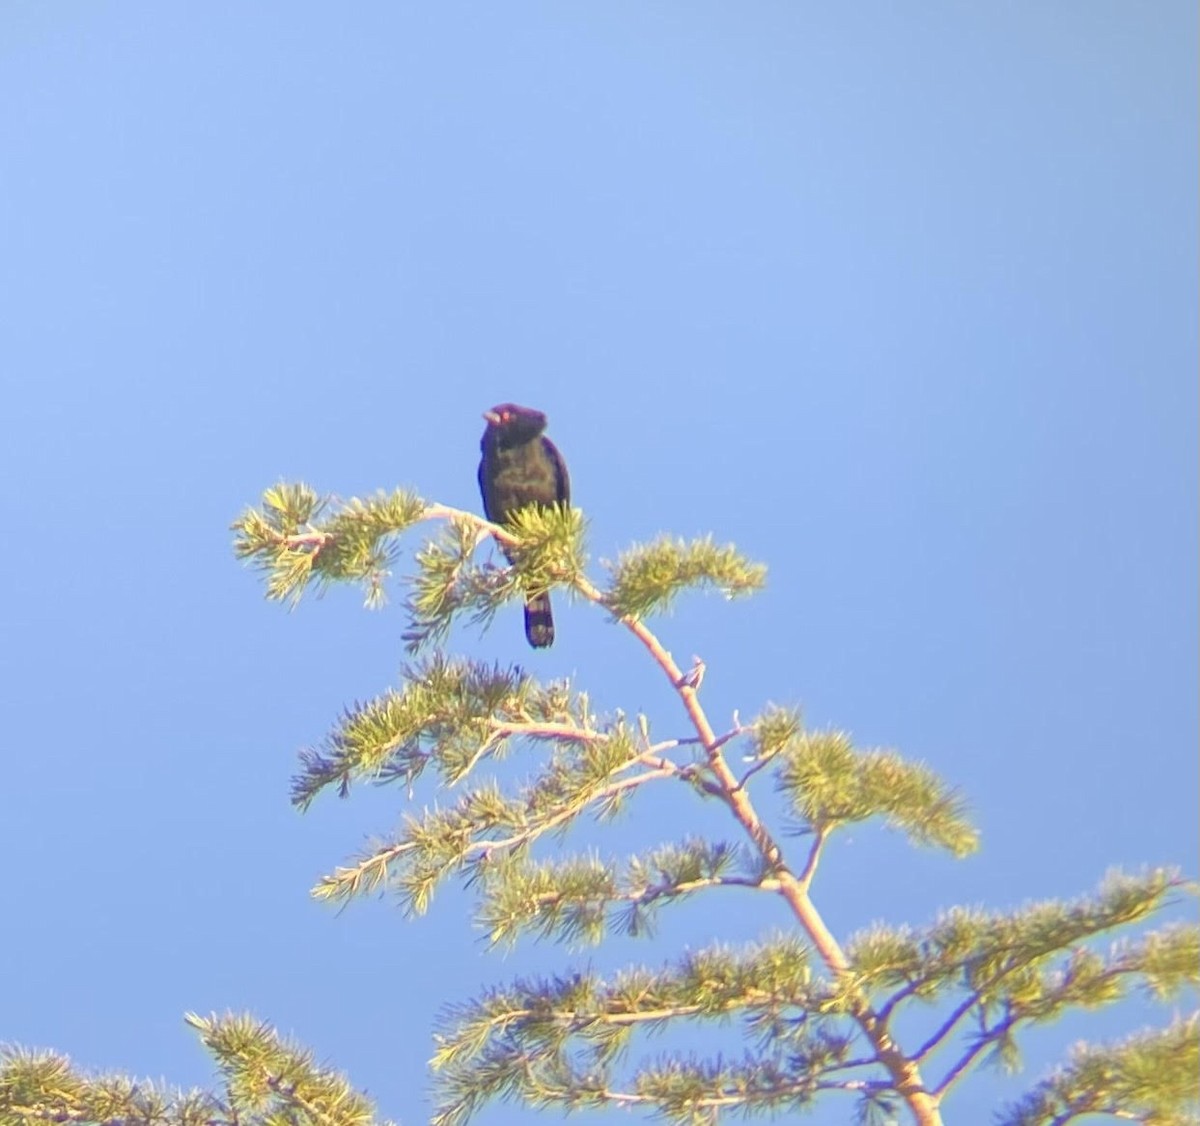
point(521, 467)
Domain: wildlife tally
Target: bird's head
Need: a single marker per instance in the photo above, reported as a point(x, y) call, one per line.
point(512, 423)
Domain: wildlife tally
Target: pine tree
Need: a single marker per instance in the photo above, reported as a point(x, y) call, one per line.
point(814, 1016)
point(817, 1014)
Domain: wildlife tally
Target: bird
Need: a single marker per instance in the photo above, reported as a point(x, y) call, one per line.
point(521, 467)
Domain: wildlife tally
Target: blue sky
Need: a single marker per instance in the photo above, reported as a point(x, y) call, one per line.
point(901, 302)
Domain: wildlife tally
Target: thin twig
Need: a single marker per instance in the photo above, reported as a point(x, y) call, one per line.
point(758, 883)
point(803, 1089)
point(564, 732)
point(304, 539)
point(385, 856)
point(761, 764)
point(814, 857)
point(968, 1058)
point(947, 1027)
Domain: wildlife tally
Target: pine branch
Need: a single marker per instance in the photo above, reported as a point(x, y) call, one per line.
point(1150, 1078)
point(461, 839)
point(292, 540)
point(277, 1080)
point(649, 577)
point(450, 714)
point(984, 953)
point(553, 1041)
point(831, 784)
point(711, 982)
point(579, 899)
point(552, 1045)
point(1004, 960)
point(43, 1087)
point(1088, 981)
point(266, 1081)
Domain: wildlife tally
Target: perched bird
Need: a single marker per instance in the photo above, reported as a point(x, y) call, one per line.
point(521, 467)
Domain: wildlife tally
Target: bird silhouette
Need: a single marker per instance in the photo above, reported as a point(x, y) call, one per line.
point(521, 467)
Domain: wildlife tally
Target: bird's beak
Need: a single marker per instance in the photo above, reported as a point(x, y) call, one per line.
point(492, 417)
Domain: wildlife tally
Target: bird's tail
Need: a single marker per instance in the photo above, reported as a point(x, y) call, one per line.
point(539, 622)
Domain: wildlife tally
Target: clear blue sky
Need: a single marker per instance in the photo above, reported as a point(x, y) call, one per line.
point(900, 299)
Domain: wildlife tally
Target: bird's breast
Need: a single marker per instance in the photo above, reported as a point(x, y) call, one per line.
point(521, 476)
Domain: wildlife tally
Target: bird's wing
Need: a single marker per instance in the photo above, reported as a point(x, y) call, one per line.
point(562, 490)
point(483, 489)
